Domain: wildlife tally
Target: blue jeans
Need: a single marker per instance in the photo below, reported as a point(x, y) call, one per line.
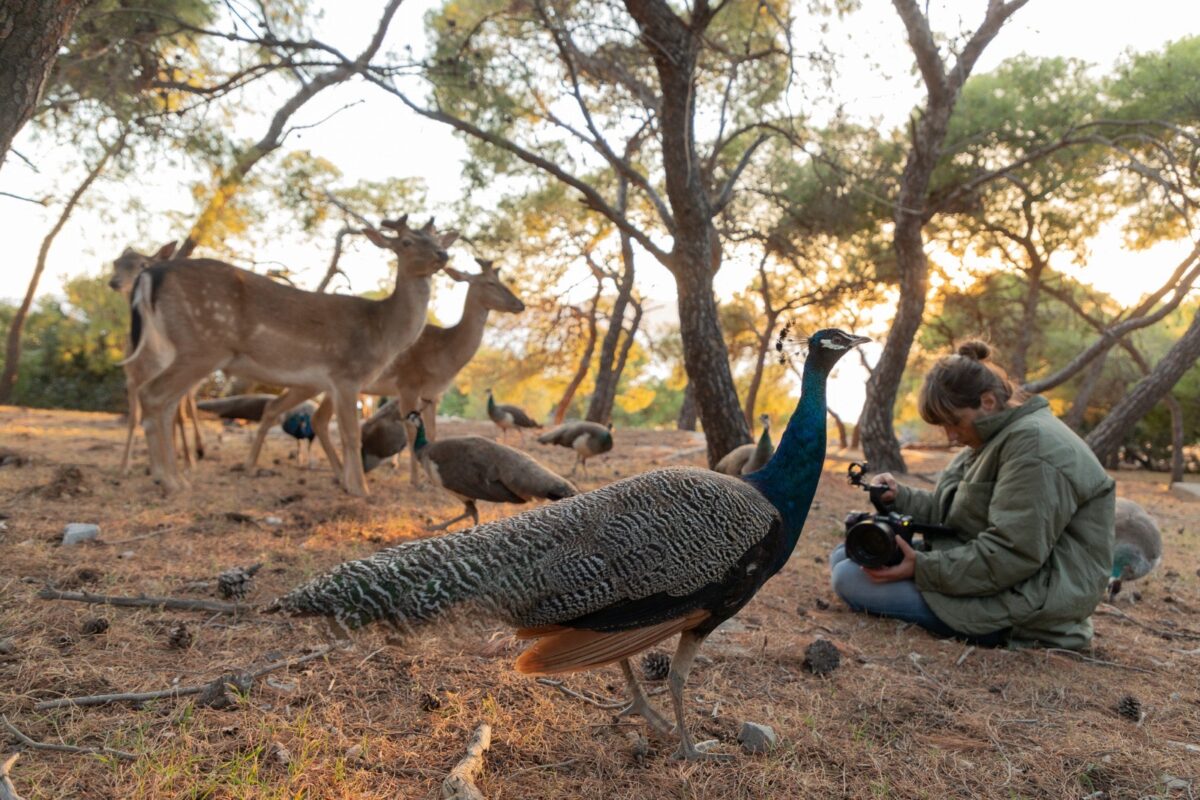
point(898, 599)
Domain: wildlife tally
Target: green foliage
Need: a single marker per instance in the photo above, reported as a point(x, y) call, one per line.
point(72, 349)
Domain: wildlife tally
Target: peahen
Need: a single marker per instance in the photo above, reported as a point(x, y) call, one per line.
point(587, 439)
point(474, 468)
point(297, 422)
point(1138, 547)
point(599, 577)
point(383, 435)
point(749, 457)
point(508, 416)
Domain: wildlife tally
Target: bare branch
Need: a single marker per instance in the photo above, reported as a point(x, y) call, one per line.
point(63, 748)
point(726, 193)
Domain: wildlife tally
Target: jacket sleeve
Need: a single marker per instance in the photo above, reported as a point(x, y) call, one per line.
point(1031, 504)
point(919, 504)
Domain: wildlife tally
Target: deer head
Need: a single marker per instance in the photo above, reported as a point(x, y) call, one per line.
point(131, 263)
point(487, 289)
point(419, 253)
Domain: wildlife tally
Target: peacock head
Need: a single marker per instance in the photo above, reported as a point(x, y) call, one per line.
point(821, 351)
point(765, 420)
point(414, 418)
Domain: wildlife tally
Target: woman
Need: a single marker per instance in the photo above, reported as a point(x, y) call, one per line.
point(1032, 511)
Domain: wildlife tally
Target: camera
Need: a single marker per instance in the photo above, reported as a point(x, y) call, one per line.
point(871, 536)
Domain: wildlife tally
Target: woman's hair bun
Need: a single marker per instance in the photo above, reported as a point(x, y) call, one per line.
point(975, 349)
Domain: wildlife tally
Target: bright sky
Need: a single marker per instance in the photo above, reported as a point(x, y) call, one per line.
point(380, 138)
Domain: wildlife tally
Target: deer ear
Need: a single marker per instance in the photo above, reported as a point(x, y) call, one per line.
point(461, 277)
point(428, 226)
point(376, 238)
point(165, 252)
point(448, 238)
point(484, 263)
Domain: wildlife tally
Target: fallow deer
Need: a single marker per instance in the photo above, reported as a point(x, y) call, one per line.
point(126, 268)
point(420, 375)
point(205, 315)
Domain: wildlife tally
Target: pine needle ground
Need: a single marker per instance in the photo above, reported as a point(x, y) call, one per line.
point(904, 715)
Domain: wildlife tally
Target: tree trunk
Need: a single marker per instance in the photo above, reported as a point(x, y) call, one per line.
point(1029, 307)
point(31, 33)
point(760, 364)
point(1106, 437)
point(1176, 437)
point(12, 350)
point(1074, 417)
point(604, 395)
point(841, 427)
point(687, 411)
point(585, 361)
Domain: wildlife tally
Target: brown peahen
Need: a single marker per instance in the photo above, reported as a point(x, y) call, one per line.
point(599, 577)
point(508, 416)
point(587, 439)
point(749, 457)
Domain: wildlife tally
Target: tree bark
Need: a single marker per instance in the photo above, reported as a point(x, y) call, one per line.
point(31, 33)
point(1106, 437)
point(1074, 417)
point(604, 395)
point(585, 361)
point(687, 411)
point(12, 350)
point(674, 45)
point(912, 212)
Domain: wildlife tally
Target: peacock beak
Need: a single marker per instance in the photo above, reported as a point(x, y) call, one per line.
point(855, 341)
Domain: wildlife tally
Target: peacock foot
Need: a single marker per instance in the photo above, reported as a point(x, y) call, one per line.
point(641, 707)
point(699, 752)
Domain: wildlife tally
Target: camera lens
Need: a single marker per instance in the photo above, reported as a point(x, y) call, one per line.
point(872, 544)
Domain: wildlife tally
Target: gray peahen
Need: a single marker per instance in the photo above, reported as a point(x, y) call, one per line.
point(297, 422)
point(599, 577)
point(587, 439)
point(383, 435)
point(474, 468)
point(749, 457)
point(1138, 547)
point(508, 416)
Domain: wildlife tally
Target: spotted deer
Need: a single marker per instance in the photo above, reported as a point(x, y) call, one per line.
point(191, 319)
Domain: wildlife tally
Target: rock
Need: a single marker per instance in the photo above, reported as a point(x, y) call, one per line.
point(7, 648)
point(823, 605)
point(1186, 491)
point(354, 753)
point(755, 738)
point(77, 532)
point(274, 522)
point(126, 554)
point(279, 754)
point(821, 657)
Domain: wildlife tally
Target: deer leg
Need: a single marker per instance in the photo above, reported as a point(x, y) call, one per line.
point(320, 423)
point(181, 427)
point(159, 399)
point(639, 704)
point(345, 404)
point(190, 400)
point(291, 397)
point(681, 665)
point(135, 419)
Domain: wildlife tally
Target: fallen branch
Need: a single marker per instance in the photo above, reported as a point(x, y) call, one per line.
point(63, 748)
point(601, 702)
point(1109, 610)
point(460, 784)
point(177, 603)
point(215, 688)
point(1102, 662)
point(7, 790)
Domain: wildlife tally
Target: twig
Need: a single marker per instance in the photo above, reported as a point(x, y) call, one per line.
point(1195, 748)
point(149, 535)
point(63, 748)
point(459, 784)
point(606, 703)
point(963, 657)
point(1091, 660)
point(177, 603)
point(7, 790)
point(566, 763)
point(1110, 610)
point(23, 197)
point(179, 691)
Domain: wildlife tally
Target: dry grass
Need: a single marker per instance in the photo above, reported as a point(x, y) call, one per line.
point(904, 716)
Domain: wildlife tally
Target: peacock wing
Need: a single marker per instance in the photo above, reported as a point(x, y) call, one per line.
point(467, 465)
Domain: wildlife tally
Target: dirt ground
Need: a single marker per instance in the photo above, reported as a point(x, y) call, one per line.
point(904, 715)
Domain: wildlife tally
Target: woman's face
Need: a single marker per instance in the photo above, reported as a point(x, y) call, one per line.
point(963, 431)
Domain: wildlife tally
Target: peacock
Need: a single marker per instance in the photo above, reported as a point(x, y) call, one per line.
point(383, 436)
point(587, 439)
point(474, 468)
point(508, 416)
point(749, 457)
point(596, 578)
point(297, 422)
point(1138, 547)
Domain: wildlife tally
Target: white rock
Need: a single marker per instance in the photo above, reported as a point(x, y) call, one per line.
point(77, 532)
point(755, 738)
point(274, 522)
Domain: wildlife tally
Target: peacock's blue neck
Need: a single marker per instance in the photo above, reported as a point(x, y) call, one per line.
point(789, 480)
point(419, 441)
point(491, 403)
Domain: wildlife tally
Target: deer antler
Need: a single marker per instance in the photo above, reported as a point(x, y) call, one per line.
point(428, 226)
point(396, 224)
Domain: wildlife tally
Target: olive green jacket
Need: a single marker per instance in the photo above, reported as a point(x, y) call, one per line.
point(1032, 511)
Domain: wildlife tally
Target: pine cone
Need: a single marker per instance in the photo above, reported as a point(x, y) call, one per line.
point(1130, 708)
point(656, 665)
point(821, 657)
point(94, 627)
point(179, 636)
point(234, 584)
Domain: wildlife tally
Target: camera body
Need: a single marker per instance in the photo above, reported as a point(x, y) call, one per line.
point(871, 537)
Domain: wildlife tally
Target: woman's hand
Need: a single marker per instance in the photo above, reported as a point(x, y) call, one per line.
point(886, 479)
point(900, 572)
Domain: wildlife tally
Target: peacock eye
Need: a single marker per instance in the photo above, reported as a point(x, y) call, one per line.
point(406, 242)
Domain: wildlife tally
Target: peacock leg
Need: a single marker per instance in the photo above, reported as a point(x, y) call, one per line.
point(470, 511)
point(639, 704)
point(681, 665)
point(473, 511)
